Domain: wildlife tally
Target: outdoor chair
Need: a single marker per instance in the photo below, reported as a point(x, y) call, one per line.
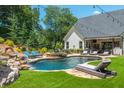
point(26, 54)
point(85, 52)
point(100, 70)
point(105, 53)
point(35, 54)
point(95, 52)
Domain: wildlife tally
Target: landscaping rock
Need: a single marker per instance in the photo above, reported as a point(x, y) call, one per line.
point(8, 74)
point(25, 67)
point(3, 82)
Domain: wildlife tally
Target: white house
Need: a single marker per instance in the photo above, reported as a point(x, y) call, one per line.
point(74, 41)
point(101, 32)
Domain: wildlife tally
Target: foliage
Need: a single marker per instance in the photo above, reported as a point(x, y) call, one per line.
point(50, 50)
point(1, 40)
point(60, 54)
point(58, 21)
point(2, 63)
point(22, 25)
point(9, 42)
point(58, 45)
point(23, 48)
point(18, 49)
point(32, 49)
point(57, 54)
point(43, 50)
point(69, 51)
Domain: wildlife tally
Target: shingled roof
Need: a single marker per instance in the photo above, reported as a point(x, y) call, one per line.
point(101, 25)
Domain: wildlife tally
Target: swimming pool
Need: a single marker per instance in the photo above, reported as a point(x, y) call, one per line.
point(60, 64)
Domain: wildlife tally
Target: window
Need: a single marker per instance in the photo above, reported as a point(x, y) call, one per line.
point(67, 45)
point(80, 44)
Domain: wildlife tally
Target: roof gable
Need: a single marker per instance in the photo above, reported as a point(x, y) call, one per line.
point(70, 32)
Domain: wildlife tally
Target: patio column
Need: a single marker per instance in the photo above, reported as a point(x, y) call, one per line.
point(100, 44)
point(122, 39)
point(83, 44)
point(113, 45)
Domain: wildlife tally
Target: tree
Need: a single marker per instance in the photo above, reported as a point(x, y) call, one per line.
point(58, 21)
point(21, 24)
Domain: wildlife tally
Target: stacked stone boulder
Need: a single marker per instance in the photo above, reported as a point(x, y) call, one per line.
point(9, 73)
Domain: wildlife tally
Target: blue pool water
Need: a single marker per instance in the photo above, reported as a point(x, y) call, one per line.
point(59, 64)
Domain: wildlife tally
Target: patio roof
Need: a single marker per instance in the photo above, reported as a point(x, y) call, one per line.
point(101, 25)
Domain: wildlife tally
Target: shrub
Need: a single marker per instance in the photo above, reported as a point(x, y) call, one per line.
point(43, 50)
point(69, 51)
point(50, 50)
point(58, 45)
point(9, 42)
point(32, 49)
point(23, 49)
point(2, 63)
point(61, 54)
point(1, 40)
point(58, 54)
point(18, 49)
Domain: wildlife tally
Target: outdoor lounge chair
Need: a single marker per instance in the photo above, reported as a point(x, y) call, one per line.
point(95, 52)
point(85, 52)
point(26, 54)
point(99, 70)
point(35, 54)
point(105, 53)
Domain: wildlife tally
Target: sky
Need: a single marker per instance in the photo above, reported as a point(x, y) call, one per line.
point(80, 11)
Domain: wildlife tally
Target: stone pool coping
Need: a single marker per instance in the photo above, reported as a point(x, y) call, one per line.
point(70, 55)
point(72, 71)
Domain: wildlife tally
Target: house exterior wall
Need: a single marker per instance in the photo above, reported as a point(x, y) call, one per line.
point(74, 40)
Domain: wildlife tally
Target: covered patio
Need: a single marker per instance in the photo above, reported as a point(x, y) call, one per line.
point(113, 44)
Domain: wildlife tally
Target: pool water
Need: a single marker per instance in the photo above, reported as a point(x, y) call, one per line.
point(60, 64)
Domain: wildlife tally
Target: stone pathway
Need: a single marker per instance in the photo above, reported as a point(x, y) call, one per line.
point(81, 74)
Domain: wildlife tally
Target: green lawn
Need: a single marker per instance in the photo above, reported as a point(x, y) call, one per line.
point(95, 63)
point(32, 79)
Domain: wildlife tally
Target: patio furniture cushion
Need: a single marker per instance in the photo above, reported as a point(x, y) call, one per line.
point(94, 53)
point(87, 66)
point(106, 52)
point(85, 52)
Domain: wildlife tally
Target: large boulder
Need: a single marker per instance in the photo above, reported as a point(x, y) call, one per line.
point(8, 74)
point(4, 72)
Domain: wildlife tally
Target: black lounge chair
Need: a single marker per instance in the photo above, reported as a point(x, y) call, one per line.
point(100, 70)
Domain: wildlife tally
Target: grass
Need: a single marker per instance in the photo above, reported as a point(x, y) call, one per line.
point(2, 63)
point(32, 79)
point(95, 63)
